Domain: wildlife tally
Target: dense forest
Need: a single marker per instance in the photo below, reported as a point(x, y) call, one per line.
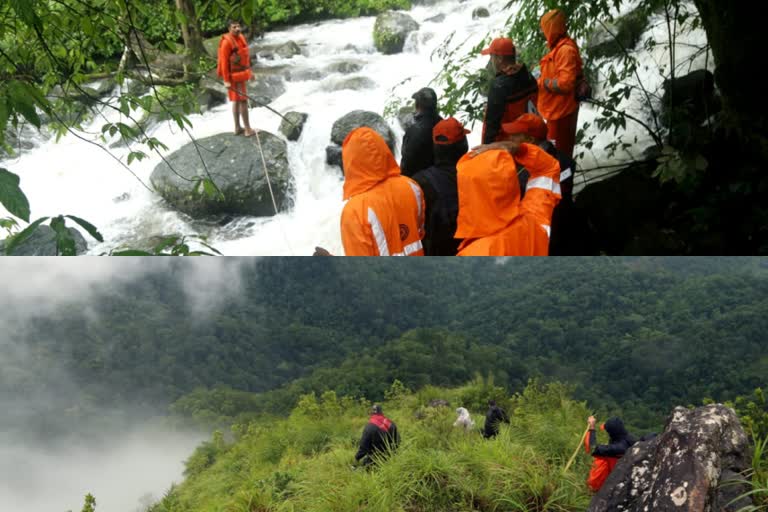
point(632, 336)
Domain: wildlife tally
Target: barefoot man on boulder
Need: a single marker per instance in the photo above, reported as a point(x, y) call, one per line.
point(234, 68)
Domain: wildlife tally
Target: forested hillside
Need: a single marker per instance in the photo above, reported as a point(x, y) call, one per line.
point(632, 336)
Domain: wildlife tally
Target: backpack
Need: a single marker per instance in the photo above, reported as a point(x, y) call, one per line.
point(583, 90)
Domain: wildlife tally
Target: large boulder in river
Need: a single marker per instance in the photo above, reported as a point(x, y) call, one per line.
point(683, 469)
point(391, 30)
point(42, 242)
point(349, 122)
point(235, 165)
point(293, 125)
point(480, 12)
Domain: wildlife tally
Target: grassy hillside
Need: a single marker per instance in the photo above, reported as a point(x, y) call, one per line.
point(303, 463)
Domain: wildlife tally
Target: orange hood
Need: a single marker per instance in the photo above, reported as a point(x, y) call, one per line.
point(367, 161)
point(489, 193)
point(553, 24)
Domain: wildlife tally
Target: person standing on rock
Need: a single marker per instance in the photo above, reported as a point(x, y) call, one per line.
point(234, 67)
point(417, 141)
point(384, 214)
point(606, 456)
point(561, 70)
point(513, 91)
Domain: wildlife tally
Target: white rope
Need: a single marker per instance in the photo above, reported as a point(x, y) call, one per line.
point(269, 185)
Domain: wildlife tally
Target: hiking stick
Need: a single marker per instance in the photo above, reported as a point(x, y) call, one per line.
point(573, 457)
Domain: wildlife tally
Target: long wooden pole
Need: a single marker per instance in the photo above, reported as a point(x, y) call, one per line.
point(573, 457)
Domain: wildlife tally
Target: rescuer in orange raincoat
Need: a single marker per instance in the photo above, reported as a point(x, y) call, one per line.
point(493, 221)
point(385, 212)
point(513, 90)
point(561, 69)
point(565, 238)
point(234, 67)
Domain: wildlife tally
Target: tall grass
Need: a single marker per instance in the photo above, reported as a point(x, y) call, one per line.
point(304, 462)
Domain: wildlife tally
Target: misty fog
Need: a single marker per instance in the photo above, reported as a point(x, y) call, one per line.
point(125, 469)
point(125, 476)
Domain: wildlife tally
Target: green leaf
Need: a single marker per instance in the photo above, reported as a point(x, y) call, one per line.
point(65, 243)
point(11, 196)
point(210, 188)
point(90, 228)
point(171, 240)
point(20, 237)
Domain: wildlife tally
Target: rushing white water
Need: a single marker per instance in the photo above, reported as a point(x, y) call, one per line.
point(74, 177)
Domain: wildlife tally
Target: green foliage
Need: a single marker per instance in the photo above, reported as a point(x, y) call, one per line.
point(11, 196)
point(618, 330)
point(436, 468)
point(90, 503)
point(753, 413)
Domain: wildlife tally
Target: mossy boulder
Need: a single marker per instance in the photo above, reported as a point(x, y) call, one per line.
point(390, 31)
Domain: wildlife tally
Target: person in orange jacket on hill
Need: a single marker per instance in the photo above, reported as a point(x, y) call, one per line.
point(493, 221)
point(385, 212)
point(561, 69)
point(606, 456)
point(234, 67)
point(513, 90)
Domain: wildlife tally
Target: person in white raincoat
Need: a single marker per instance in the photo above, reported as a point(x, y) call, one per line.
point(464, 420)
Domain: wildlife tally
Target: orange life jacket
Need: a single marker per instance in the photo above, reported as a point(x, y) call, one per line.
point(234, 63)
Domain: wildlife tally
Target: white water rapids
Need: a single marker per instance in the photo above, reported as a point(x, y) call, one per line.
point(74, 177)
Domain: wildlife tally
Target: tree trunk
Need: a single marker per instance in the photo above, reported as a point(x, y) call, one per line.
point(733, 32)
point(190, 29)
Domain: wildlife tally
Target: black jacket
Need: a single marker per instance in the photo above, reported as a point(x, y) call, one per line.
point(417, 144)
point(376, 441)
point(493, 418)
point(519, 89)
point(442, 200)
point(620, 440)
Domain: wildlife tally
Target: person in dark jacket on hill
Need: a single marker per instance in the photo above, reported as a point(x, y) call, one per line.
point(606, 456)
point(493, 418)
point(380, 437)
point(417, 142)
point(440, 191)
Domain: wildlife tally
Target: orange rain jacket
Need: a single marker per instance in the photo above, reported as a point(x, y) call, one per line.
point(601, 468)
point(385, 212)
point(234, 64)
point(493, 221)
point(560, 69)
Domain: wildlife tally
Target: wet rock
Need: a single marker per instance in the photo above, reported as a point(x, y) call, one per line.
point(171, 65)
point(304, 74)
point(624, 34)
point(288, 50)
point(345, 67)
point(692, 95)
point(333, 155)
point(42, 242)
point(349, 122)
point(125, 196)
point(438, 402)
point(391, 30)
point(266, 87)
point(435, 19)
point(683, 468)
point(234, 164)
point(357, 83)
point(211, 94)
point(293, 125)
point(480, 12)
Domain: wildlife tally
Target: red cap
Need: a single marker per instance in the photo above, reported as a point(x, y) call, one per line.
point(448, 131)
point(500, 46)
point(529, 124)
